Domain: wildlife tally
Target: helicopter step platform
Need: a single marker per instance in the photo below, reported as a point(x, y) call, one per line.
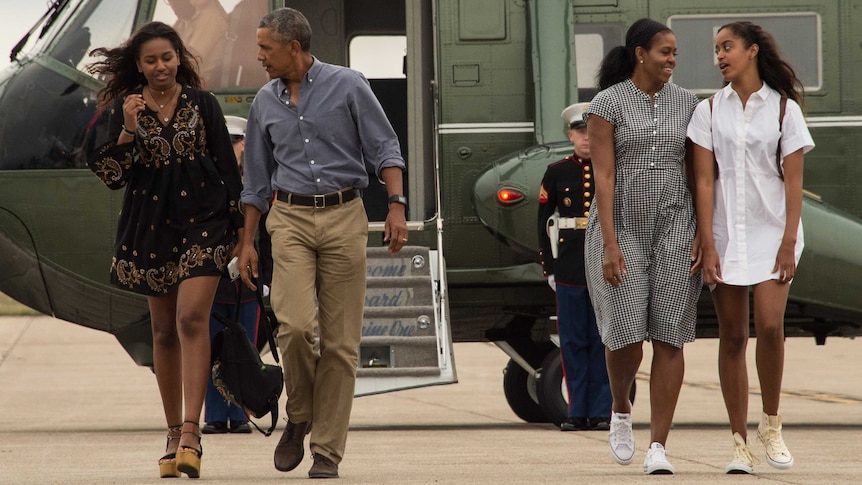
point(405, 340)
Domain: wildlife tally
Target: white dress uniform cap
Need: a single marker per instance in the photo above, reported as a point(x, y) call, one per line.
point(573, 115)
point(235, 125)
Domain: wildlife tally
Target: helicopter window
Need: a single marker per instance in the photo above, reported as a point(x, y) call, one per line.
point(50, 113)
point(588, 53)
point(222, 34)
point(45, 31)
point(378, 56)
point(592, 42)
point(99, 24)
point(797, 34)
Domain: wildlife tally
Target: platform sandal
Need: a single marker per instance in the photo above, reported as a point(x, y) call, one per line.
point(168, 463)
point(188, 458)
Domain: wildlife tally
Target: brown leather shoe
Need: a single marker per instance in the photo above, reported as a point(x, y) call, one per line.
point(289, 450)
point(323, 468)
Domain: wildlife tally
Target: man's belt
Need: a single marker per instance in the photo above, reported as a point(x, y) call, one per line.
point(321, 200)
point(572, 223)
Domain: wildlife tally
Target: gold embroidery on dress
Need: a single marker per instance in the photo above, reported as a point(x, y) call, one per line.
point(221, 256)
point(110, 170)
point(127, 272)
point(161, 279)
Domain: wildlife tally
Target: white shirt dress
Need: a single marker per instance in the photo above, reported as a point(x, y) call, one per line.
point(749, 214)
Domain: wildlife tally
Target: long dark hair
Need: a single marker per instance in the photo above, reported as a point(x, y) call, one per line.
point(619, 64)
point(120, 63)
point(773, 69)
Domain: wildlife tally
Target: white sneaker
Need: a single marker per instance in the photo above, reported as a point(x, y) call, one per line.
point(621, 439)
point(743, 461)
point(769, 433)
point(656, 462)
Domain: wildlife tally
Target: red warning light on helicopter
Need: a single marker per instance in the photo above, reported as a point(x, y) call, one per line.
point(509, 196)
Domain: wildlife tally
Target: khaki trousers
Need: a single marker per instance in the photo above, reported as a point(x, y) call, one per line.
point(319, 252)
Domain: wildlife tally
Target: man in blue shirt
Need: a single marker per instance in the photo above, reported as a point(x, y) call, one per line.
point(311, 130)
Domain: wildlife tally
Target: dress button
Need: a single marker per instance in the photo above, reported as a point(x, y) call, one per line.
point(652, 164)
point(312, 162)
point(301, 118)
point(306, 141)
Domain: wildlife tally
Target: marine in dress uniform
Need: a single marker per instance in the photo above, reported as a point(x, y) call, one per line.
point(564, 204)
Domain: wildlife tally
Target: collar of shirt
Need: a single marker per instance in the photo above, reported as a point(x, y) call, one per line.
point(281, 90)
point(763, 93)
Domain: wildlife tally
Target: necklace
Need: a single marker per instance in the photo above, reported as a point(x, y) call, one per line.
point(162, 105)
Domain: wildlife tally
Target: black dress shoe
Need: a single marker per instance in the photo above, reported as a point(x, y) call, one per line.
point(290, 448)
point(241, 427)
point(575, 424)
point(216, 427)
point(600, 424)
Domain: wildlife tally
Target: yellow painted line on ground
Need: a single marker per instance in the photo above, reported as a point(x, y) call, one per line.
point(818, 396)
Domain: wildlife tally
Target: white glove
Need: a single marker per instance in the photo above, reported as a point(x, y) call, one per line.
point(552, 283)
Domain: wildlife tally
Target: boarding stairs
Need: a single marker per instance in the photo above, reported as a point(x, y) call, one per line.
point(405, 334)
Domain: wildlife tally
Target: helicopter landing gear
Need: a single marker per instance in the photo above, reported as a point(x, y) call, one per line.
point(553, 396)
point(519, 387)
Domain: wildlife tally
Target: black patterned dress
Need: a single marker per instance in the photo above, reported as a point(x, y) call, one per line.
point(181, 208)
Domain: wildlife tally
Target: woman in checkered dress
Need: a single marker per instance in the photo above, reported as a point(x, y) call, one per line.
point(643, 273)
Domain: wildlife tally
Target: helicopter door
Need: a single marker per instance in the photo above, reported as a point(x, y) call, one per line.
point(406, 339)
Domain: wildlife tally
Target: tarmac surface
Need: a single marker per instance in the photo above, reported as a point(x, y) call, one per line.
point(75, 409)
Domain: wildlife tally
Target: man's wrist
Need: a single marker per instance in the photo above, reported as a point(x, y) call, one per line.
point(398, 199)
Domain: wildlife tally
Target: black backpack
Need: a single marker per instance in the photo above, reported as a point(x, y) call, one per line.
point(238, 372)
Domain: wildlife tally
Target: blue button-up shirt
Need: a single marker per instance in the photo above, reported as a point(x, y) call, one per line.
point(321, 145)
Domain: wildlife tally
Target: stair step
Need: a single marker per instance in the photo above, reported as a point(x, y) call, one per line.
point(397, 281)
point(410, 261)
point(397, 372)
point(398, 352)
point(398, 294)
point(388, 312)
point(412, 341)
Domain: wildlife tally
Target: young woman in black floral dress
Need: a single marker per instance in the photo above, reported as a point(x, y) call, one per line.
point(169, 148)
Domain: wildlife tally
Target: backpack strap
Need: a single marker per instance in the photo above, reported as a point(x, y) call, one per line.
point(714, 161)
point(267, 325)
point(273, 412)
point(782, 105)
point(267, 328)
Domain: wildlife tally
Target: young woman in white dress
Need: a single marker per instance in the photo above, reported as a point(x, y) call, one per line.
point(748, 216)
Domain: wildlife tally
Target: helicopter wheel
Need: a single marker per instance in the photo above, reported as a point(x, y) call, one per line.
point(552, 392)
point(519, 388)
point(551, 389)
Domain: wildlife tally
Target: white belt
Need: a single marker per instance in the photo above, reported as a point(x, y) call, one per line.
point(572, 223)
